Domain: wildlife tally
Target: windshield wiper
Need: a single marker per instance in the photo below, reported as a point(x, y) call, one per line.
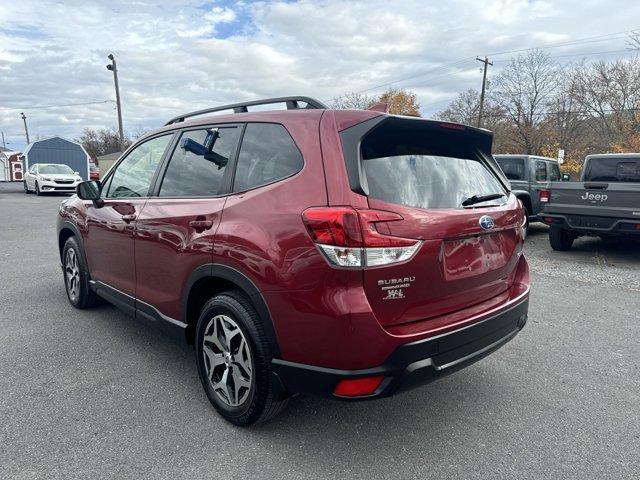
point(482, 198)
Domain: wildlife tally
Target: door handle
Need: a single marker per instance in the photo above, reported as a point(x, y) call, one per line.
point(129, 218)
point(201, 225)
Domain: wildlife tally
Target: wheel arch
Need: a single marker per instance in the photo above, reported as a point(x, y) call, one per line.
point(525, 198)
point(66, 231)
point(211, 279)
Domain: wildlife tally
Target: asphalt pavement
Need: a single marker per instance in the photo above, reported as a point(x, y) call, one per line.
point(95, 394)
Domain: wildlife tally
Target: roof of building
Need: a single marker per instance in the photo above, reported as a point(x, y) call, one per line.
point(30, 146)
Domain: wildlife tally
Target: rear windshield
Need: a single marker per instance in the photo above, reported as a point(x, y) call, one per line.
point(612, 170)
point(426, 169)
point(513, 168)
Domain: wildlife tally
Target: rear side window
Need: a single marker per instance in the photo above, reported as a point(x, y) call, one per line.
point(541, 171)
point(613, 170)
point(267, 154)
point(513, 168)
point(192, 175)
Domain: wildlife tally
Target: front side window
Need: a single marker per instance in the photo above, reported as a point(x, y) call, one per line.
point(513, 168)
point(194, 175)
point(541, 171)
point(33, 169)
point(268, 154)
point(554, 172)
point(133, 175)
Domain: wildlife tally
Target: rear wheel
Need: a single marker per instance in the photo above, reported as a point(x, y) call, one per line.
point(234, 361)
point(560, 239)
point(76, 276)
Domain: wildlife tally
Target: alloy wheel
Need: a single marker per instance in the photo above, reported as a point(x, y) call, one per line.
point(72, 271)
point(227, 360)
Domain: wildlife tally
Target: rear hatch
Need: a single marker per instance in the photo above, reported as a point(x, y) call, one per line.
point(425, 171)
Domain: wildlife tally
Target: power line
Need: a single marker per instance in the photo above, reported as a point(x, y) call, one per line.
point(593, 39)
point(41, 107)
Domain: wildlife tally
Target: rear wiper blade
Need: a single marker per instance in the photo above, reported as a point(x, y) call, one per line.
point(482, 198)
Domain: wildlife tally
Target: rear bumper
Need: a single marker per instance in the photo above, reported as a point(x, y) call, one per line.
point(585, 224)
point(415, 363)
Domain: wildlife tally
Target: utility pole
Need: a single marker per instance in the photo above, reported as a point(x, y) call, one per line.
point(486, 62)
point(26, 130)
point(112, 66)
point(4, 145)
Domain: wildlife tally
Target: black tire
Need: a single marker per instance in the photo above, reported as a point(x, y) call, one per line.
point(526, 222)
point(84, 297)
point(38, 192)
point(26, 189)
point(263, 401)
point(560, 240)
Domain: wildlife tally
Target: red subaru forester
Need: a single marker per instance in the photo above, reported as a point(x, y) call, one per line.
point(344, 253)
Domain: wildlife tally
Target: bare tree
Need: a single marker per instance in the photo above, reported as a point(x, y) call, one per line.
point(609, 92)
point(464, 109)
point(101, 142)
point(353, 101)
point(524, 91)
point(633, 42)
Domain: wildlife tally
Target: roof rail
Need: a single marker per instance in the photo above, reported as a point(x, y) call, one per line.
point(291, 102)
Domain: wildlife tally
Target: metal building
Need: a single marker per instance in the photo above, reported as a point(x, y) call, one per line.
point(60, 151)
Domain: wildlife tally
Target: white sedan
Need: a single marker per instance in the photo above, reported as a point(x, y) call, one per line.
point(51, 177)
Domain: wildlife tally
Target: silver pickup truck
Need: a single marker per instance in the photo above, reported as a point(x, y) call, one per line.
point(606, 202)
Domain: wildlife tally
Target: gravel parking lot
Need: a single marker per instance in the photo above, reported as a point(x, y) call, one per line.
point(88, 394)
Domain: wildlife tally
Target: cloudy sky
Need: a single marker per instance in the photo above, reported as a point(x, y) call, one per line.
point(182, 55)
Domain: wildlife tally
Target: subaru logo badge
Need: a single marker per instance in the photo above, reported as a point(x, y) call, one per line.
point(486, 222)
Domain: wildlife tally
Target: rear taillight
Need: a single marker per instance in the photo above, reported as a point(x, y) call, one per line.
point(544, 196)
point(349, 237)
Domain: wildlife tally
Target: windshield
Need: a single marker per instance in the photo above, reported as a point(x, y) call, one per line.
point(611, 169)
point(54, 169)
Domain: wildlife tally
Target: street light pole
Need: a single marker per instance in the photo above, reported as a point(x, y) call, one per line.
point(112, 66)
point(26, 130)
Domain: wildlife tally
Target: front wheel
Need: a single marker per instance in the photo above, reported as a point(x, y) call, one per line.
point(76, 276)
point(560, 239)
point(38, 192)
point(24, 184)
point(234, 361)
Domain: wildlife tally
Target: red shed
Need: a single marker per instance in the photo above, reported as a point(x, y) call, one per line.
point(10, 167)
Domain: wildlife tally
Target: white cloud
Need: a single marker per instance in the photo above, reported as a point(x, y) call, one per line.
point(182, 55)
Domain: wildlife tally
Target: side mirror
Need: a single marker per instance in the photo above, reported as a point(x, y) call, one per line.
point(566, 177)
point(90, 191)
point(77, 173)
